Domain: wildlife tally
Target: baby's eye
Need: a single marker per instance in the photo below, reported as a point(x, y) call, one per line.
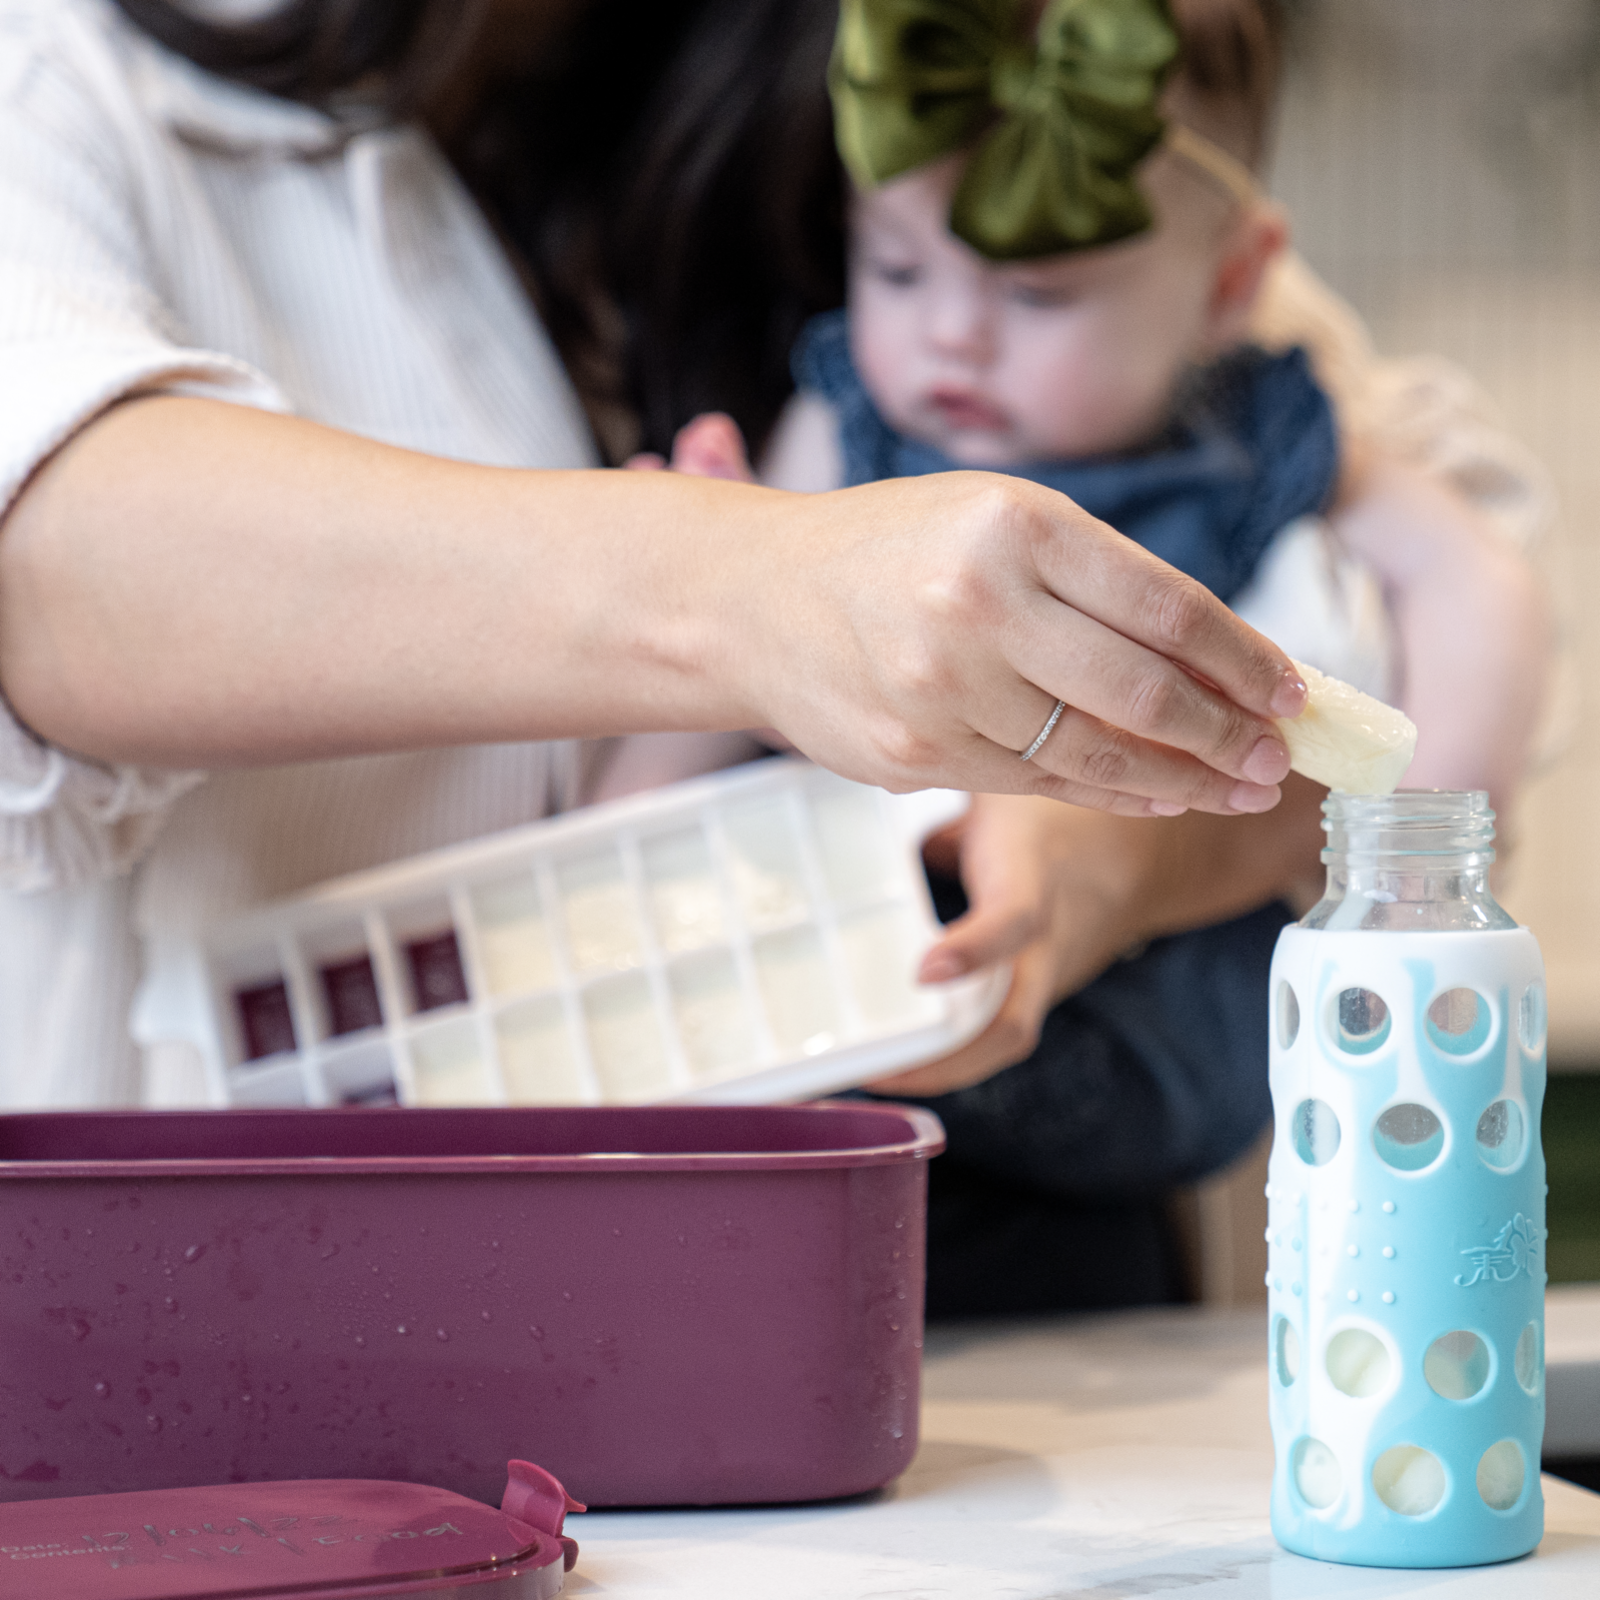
point(1040, 296)
point(897, 274)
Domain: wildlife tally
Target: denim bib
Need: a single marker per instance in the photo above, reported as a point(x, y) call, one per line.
point(1252, 446)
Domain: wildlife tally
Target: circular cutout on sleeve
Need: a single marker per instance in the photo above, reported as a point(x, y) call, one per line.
point(1288, 1015)
point(1358, 1362)
point(1315, 1132)
point(1501, 1475)
point(1458, 1022)
point(1531, 1020)
point(1361, 1021)
point(1500, 1135)
point(1457, 1365)
point(1528, 1361)
point(1408, 1137)
point(1316, 1473)
point(1286, 1352)
point(1409, 1480)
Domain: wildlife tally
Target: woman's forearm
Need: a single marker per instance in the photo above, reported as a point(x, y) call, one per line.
point(193, 583)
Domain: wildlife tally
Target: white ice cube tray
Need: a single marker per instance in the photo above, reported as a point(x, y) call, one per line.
point(750, 936)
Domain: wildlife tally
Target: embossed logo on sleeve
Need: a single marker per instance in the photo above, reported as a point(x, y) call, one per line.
point(1515, 1249)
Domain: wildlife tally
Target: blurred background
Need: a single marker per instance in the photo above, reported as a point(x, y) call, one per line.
point(1441, 159)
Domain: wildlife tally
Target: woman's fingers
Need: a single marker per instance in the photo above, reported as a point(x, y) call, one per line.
point(1024, 882)
point(1011, 1036)
point(1149, 603)
point(1085, 762)
point(1007, 913)
point(1095, 758)
point(1123, 691)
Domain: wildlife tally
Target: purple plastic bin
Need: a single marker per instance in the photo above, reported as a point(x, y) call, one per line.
point(663, 1305)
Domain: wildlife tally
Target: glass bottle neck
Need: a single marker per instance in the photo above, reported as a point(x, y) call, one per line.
point(1414, 861)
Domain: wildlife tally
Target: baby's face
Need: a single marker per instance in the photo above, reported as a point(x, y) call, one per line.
point(1000, 364)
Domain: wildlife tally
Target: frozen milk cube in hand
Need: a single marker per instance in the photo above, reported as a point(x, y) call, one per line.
point(1346, 739)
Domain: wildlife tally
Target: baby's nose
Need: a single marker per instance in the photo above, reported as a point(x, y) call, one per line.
point(961, 324)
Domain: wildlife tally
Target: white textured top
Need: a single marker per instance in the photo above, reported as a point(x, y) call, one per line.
point(163, 230)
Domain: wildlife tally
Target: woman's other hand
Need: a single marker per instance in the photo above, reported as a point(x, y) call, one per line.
point(1060, 914)
point(1062, 892)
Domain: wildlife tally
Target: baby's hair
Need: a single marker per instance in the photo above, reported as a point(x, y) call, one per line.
point(1225, 83)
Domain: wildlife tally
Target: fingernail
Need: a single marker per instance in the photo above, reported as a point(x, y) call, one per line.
point(940, 966)
point(1166, 808)
point(1289, 698)
point(1268, 761)
point(1253, 797)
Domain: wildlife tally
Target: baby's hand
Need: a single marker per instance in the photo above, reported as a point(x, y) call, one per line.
point(709, 447)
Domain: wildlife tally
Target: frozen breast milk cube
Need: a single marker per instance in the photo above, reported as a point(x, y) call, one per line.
point(1346, 739)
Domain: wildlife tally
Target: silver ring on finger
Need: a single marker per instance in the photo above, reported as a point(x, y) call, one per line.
point(1045, 732)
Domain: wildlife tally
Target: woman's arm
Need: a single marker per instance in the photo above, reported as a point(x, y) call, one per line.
point(191, 583)
point(1063, 892)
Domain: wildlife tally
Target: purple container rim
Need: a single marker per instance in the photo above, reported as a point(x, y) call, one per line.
point(926, 1141)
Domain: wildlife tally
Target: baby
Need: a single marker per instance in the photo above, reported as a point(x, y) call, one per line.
point(1056, 243)
point(1059, 283)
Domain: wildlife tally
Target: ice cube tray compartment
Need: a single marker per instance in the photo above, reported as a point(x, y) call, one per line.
point(748, 936)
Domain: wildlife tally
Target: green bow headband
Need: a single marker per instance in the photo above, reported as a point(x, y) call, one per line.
point(913, 80)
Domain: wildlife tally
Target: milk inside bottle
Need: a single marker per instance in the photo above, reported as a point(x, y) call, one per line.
point(1407, 1199)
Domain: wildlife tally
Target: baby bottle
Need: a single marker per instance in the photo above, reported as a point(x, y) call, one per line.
point(1406, 1278)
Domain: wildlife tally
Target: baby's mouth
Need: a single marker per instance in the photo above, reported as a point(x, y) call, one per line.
point(964, 411)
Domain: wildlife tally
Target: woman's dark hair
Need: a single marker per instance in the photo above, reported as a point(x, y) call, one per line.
point(311, 49)
point(679, 204)
point(667, 177)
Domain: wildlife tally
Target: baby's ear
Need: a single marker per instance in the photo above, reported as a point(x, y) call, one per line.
point(1256, 238)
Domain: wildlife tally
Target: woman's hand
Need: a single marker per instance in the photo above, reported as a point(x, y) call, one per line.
point(1062, 892)
point(1060, 913)
point(919, 631)
point(1084, 751)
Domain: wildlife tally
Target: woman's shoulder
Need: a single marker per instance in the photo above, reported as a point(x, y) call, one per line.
point(69, 70)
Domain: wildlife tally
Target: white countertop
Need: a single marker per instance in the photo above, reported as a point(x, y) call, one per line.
point(1082, 1459)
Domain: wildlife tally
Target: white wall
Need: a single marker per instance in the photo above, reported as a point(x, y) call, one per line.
point(1442, 161)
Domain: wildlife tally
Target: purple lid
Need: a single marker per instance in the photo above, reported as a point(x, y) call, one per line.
point(317, 1538)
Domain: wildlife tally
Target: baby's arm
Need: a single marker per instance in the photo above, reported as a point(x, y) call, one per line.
point(803, 453)
point(1473, 621)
